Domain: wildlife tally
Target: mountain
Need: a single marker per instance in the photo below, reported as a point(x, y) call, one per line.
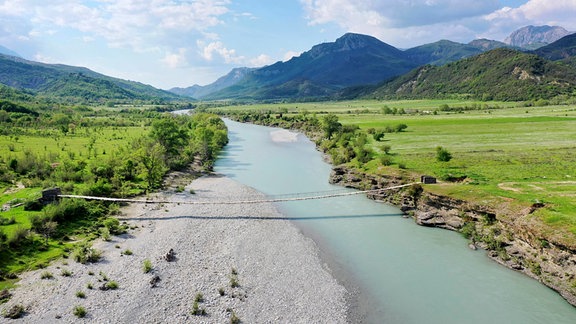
point(74, 84)
point(352, 59)
point(197, 91)
point(533, 37)
point(441, 52)
point(561, 49)
point(500, 74)
point(487, 44)
point(7, 51)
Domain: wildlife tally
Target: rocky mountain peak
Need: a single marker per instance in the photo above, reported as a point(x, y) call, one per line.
point(533, 37)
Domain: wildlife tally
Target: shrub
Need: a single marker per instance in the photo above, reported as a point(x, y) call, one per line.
point(84, 253)
point(80, 294)
point(386, 160)
point(112, 285)
point(127, 252)
point(20, 235)
point(7, 221)
point(105, 234)
point(79, 311)
point(468, 230)
point(66, 273)
point(147, 266)
point(68, 209)
point(33, 205)
point(113, 226)
point(234, 282)
point(442, 155)
point(199, 298)
point(196, 310)
point(14, 312)
point(234, 319)
point(221, 291)
point(5, 295)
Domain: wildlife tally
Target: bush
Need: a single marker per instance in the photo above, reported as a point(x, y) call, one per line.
point(105, 234)
point(5, 295)
point(20, 236)
point(66, 273)
point(234, 319)
point(84, 253)
point(33, 205)
point(113, 226)
point(7, 221)
point(80, 294)
point(112, 285)
point(147, 266)
point(14, 312)
point(79, 311)
point(442, 155)
point(68, 209)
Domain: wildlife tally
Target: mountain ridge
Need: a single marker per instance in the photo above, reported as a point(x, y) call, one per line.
point(59, 80)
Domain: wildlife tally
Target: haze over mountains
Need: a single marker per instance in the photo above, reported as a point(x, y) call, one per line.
point(354, 60)
point(353, 66)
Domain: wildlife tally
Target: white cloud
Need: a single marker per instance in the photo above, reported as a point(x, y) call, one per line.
point(176, 60)
point(403, 23)
point(135, 24)
point(537, 12)
point(393, 13)
point(212, 49)
point(290, 54)
point(261, 60)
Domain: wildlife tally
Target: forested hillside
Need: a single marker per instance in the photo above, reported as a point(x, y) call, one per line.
point(74, 84)
point(501, 74)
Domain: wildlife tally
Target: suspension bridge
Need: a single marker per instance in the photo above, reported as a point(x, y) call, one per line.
point(271, 199)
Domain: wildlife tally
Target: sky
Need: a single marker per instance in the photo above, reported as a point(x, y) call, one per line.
point(179, 43)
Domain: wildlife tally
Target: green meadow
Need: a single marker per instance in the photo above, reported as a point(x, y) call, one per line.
point(503, 153)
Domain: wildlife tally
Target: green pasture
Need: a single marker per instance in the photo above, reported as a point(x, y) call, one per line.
point(533, 148)
point(363, 106)
point(83, 143)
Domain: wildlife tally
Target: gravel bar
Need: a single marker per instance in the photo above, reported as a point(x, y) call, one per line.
point(246, 261)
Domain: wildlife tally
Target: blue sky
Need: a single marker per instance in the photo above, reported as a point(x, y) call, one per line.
point(170, 43)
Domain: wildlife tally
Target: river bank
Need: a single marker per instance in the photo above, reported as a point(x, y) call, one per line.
point(510, 238)
point(246, 261)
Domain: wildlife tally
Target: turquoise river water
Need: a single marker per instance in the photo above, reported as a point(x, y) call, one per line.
point(406, 273)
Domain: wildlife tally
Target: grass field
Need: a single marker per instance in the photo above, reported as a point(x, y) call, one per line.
point(501, 152)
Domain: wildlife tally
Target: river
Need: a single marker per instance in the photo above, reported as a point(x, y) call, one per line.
point(405, 273)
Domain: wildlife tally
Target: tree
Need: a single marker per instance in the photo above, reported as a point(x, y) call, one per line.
point(442, 155)
point(151, 156)
point(330, 125)
point(170, 135)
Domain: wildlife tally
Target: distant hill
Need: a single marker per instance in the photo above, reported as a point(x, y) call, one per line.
point(441, 52)
point(500, 74)
point(7, 51)
point(75, 84)
point(533, 37)
point(487, 44)
point(198, 92)
point(561, 49)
